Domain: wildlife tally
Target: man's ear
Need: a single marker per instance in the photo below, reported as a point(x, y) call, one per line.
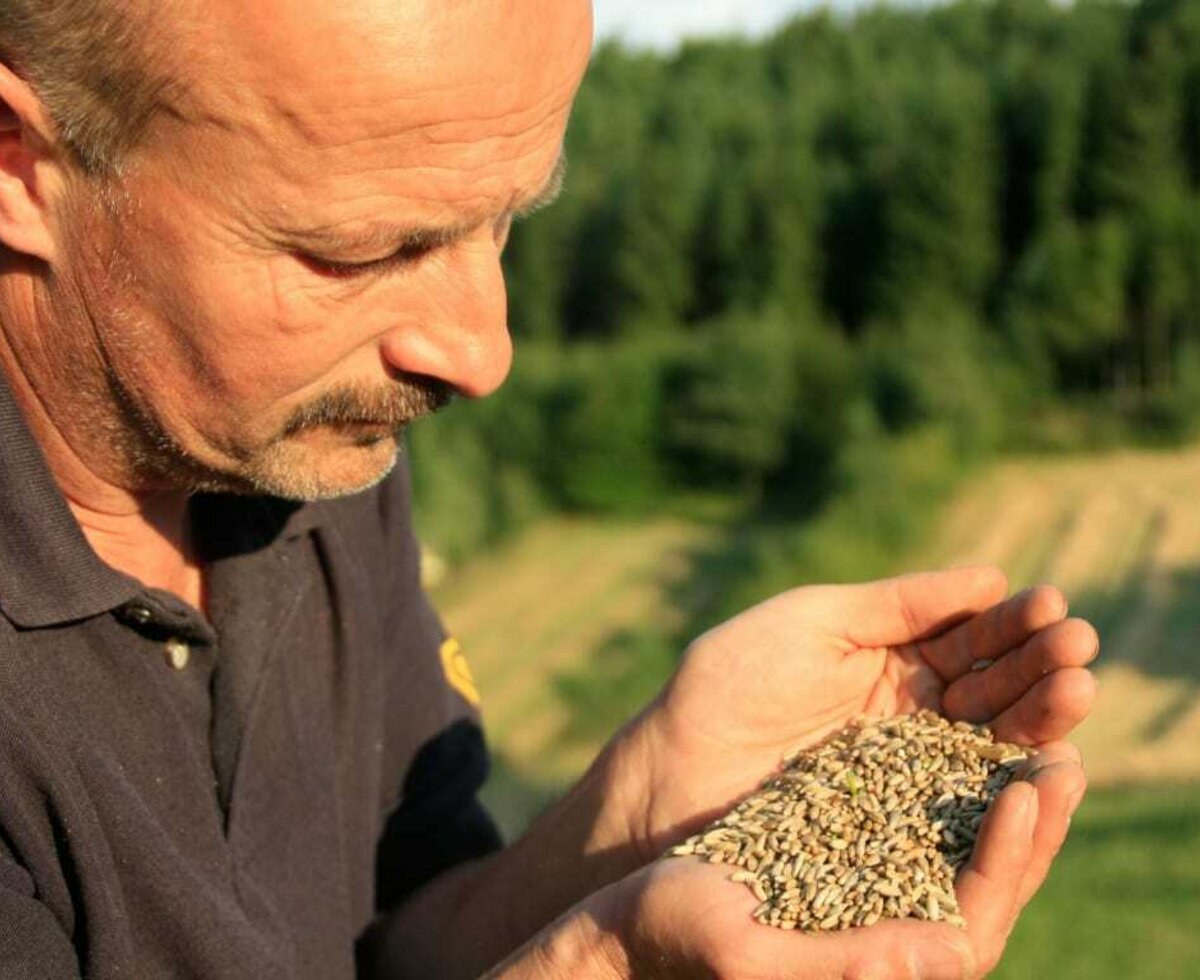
point(26, 154)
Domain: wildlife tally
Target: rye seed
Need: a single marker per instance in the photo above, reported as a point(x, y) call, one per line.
point(874, 823)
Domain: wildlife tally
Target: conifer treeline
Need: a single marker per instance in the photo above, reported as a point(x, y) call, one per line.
point(1034, 165)
point(858, 228)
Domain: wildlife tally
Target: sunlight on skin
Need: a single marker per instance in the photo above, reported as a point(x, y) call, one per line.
point(808, 661)
point(199, 299)
point(189, 322)
point(216, 307)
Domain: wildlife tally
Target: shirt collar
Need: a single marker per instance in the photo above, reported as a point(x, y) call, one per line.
point(49, 573)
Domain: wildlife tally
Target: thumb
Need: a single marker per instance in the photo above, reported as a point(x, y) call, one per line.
point(892, 948)
point(989, 888)
point(903, 610)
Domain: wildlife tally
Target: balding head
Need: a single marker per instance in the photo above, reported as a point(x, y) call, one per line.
point(96, 68)
point(314, 208)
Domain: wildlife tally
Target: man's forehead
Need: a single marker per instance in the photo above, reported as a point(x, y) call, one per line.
point(447, 66)
point(435, 108)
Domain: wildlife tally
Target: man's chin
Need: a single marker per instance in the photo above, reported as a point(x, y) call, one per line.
point(315, 468)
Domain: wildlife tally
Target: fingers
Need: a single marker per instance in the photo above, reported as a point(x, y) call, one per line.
point(981, 695)
point(892, 949)
point(1049, 710)
point(904, 610)
point(990, 887)
point(889, 949)
point(995, 632)
point(1060, 784)
point(1051, 753)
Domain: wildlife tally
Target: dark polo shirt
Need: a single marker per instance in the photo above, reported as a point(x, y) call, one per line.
point(234, 795)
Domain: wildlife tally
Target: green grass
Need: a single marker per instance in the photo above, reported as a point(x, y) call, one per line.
point(1123, 899)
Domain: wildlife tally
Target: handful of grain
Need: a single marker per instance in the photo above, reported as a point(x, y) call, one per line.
point(873, 823)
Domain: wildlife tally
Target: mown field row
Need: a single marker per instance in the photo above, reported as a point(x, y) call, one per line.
point(1121, 533)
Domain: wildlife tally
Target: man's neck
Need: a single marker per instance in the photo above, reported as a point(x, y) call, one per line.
point(151, 542)
point(144, 535)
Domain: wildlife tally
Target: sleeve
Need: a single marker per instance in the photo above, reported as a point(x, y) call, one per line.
point(440, 822)
point(32, 943)
point(433, 720)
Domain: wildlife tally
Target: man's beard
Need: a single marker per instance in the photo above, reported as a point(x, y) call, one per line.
point(278, 466)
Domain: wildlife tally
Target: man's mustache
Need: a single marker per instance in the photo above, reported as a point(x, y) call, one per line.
point(408, 399)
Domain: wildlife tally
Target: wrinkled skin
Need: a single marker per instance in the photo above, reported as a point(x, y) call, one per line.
point(237, 280)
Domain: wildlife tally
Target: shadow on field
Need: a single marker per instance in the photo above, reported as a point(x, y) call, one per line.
point(1152, 624)
point(887, 497)
point(1149, 620)
point(630, 666)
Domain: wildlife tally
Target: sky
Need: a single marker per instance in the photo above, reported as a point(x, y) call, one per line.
point(662, 23)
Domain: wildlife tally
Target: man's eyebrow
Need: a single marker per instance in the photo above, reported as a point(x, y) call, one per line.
point(550, 192)
point(379, 238)
point(375, 239)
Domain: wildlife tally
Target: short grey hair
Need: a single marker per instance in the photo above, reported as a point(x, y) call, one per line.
point(93, 65)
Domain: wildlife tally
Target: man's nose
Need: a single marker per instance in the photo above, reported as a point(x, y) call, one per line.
point(461, 332)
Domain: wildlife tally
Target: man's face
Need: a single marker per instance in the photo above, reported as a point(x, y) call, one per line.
point(311, 257)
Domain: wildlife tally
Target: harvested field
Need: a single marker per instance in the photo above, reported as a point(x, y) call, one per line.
point(1121, 533)
point(543, 604)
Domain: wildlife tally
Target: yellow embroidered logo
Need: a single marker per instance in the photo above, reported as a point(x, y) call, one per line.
point(458, 672)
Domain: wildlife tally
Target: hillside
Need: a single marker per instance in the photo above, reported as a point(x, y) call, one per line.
point(1121, 533)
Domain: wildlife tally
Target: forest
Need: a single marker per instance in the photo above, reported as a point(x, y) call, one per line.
point(805, 282)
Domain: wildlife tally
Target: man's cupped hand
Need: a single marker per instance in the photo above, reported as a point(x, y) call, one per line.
point(785, 674)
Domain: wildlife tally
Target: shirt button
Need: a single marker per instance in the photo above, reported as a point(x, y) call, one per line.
point(140, 614)
point(178, 653)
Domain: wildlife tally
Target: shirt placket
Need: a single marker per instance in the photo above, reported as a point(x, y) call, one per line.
point(181, 650)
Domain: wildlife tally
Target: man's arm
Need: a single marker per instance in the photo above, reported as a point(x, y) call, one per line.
point(804, 664)
point(472, 917)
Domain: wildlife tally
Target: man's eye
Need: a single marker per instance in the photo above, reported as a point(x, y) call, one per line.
point(332, 268)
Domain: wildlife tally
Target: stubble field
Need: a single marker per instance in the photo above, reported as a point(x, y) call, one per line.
point(1120, 533)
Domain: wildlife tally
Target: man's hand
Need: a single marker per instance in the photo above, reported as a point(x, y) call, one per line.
point(790, 671)
point(775, 679)
point(680, 918)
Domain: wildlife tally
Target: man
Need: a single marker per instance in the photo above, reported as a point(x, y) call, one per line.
point(243, 244)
